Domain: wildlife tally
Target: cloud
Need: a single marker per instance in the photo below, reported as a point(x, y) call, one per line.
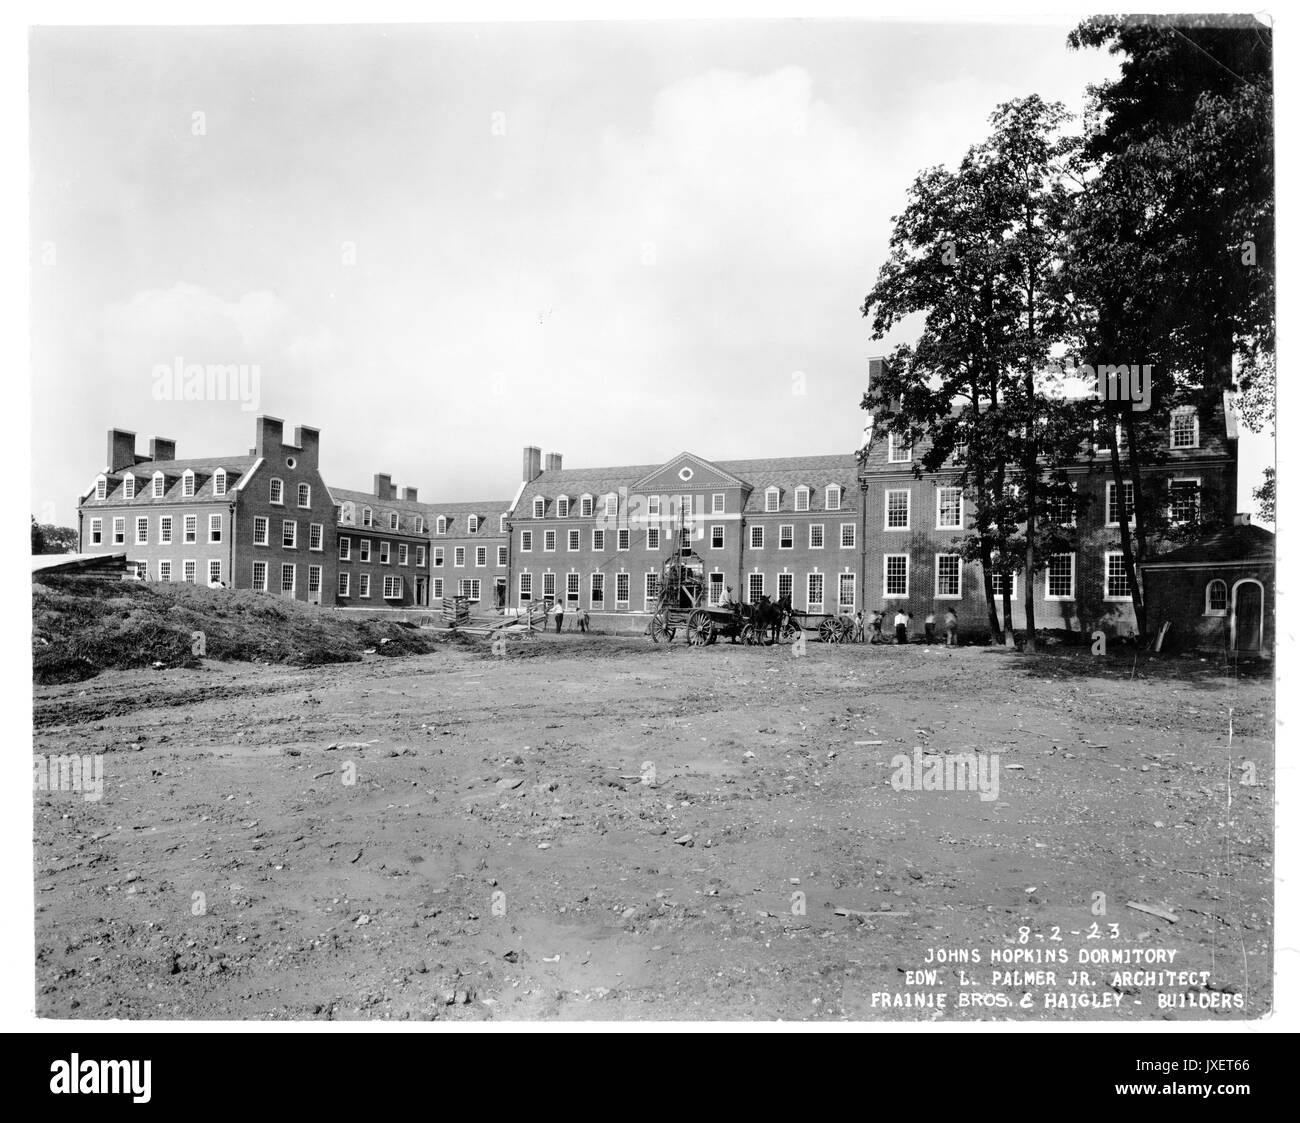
point(156, 325)
point(754, 167)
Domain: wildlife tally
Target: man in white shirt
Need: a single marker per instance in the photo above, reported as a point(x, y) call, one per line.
point(900, 626)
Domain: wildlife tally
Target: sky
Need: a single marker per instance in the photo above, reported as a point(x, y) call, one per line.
point(438, 244)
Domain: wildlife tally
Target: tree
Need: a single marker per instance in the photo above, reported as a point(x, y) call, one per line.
point(1171, 243)
point(976, 252)
point(1266, 494)
point(951, 378)
point(47, 539)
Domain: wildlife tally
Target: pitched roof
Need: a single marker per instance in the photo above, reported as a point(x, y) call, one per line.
point(204, 468)
point(457, 515)
point(483, 507)
point(784, 472)
point(198, 466)
point(369, 499)
point(1235, 543)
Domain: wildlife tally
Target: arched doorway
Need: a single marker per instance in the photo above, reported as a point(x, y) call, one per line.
point(1248, 617)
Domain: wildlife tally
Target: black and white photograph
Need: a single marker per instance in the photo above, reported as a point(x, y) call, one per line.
point(639, 521)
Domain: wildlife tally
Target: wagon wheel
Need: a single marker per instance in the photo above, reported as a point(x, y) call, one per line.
point(790, 629)
point(700, 628)
point(660, 632)
point(749, 634)
point(830, 631)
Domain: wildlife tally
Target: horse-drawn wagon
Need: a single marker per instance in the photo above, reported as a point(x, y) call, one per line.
point(831, 629)
point(683, 607)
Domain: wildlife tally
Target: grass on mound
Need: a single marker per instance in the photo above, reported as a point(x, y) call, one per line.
point(83, 625)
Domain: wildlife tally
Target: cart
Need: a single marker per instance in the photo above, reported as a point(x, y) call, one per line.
point(682, 606)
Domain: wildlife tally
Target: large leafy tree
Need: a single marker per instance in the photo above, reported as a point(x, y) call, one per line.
point(977, 252)
point(1172, 242)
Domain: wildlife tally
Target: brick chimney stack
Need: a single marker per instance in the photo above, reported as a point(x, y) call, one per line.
point(532, 463)
point(121, 450)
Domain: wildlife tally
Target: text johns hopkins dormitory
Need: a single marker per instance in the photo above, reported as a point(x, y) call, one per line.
point(834, 533)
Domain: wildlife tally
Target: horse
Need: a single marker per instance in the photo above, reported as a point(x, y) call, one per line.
point(769, 615)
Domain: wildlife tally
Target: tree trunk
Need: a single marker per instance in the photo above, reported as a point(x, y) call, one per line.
point(982, 520)
point(990, 599)
point(1125, 537)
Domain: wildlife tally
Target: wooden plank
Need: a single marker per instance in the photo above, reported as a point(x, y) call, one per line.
point(1151, 910)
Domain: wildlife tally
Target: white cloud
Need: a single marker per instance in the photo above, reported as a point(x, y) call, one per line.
point(156, 325)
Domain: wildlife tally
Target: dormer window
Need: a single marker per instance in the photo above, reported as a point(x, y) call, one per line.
point(611, 506)
point(367, 517)
point(801, 498)
point(562, 507)
point(502, 526)
point(159, 485)
point(539, 507)
point(418, 521)
point(392, 520)
point(772, 499)
point(304, 495)
point(1184, 428)
point(277, 491)
point(442, 524)
point(101, 488)
point(473, 524)
point(219, 482)
point(187, 484)
point(348, 514)
point(900, 449)
point(833, 497)
point(585, 507)
point(128, 487)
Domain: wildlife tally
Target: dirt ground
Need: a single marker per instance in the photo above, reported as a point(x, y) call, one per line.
point(498, 855)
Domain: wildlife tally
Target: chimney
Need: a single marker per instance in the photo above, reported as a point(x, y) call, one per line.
point(532, 463)
point(1241, 519)
point(121, 450)
point(160, 448)
point(875, 368)
point(410, 494)
point(270, 437)
point(308, 441)
point(383, 486)
point(554, 461)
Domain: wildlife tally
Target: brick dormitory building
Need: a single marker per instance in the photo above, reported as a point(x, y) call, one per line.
point(835, 532)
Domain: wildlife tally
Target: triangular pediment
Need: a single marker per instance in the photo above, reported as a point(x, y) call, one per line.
point(686, 472)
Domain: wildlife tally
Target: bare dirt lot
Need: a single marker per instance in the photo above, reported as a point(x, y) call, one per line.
point(497, 855)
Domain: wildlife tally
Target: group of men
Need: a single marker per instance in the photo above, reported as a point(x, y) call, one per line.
point(876, 623)
point(902, 627)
